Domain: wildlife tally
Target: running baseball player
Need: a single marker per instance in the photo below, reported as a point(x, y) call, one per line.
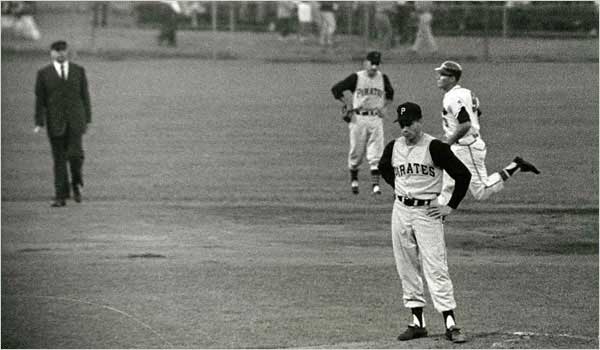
point(413, 165)
point(372, 92)
point(460, 116)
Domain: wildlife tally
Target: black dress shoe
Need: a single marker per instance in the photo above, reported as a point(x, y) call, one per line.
point(58, 203)
point(76, 194)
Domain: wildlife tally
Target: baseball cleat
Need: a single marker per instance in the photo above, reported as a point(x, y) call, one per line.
point(376, 189)
point(454, 335)
point(413, 332)
point(354, 185)
point(525, 166)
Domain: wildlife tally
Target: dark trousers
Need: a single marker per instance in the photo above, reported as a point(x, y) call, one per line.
point(67, 151)
point(168, 27)
point(284, 26)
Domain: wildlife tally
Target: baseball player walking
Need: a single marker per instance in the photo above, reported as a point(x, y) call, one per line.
point(460, 117)
point(372, 92)
point(413, 165)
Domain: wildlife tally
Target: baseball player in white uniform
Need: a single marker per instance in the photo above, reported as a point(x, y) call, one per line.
point(413, 165)
point(460, 115)
point(372, 92)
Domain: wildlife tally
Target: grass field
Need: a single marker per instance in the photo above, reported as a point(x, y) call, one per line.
point(217, 212)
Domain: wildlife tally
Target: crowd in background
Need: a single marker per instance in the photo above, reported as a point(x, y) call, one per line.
point(385, 24)
point(396, 23)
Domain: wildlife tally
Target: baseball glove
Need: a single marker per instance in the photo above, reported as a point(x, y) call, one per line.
point(347, 114)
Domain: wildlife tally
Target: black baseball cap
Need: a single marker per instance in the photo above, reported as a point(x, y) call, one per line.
point(408, 112)
point(374, 57)
point(58, 45)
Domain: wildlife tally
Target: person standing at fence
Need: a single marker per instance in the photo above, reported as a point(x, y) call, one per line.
point(18, 17)
point(405, 22)
point(100, 9)
point(305, 20)
point(372, 92)
point(460, 121)
point(285, 19)
point(62, 105)
point(383, 26)
point(327, 23)
point(169, 13)
point(424, 40)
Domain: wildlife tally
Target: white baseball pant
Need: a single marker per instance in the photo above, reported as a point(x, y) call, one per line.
point(420, 250)
point(366, 135)
point(482, 186)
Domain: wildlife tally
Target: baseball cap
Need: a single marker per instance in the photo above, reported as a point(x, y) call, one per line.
point(408, 112)
point(58, 45)
point(374, 57)
point(450, 68)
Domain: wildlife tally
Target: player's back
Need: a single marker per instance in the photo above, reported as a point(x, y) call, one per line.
point(454, 100)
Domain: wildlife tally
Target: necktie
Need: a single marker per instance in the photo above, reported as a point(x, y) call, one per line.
point(62, 71)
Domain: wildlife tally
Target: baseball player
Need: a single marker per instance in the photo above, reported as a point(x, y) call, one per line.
point(413, 165)
point(372, 92)
point(460, 115)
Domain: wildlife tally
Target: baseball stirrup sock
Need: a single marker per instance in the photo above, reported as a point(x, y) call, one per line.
point(375, 177)
point(509, 171)
point(449, 318)
point(418, 319)
point(353, 175)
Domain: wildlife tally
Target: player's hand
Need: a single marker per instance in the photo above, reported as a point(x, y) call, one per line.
point(439, 211)
point(37, 129)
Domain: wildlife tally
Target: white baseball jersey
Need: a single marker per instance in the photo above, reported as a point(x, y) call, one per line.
point(453, 101)
point(369, 93)
point(416, 175)
point(470, 149)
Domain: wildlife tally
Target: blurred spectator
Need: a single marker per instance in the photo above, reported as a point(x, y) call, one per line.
point(100, 9)
point(327, 22)
point(170, 10)
point(17, 16)
point(305, 20)
point(285, 11)
point(194, 10)
point(424, 41)
point(406, 23)
point(383, 26)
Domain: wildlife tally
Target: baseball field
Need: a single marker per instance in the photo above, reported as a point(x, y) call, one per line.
point(217, 212)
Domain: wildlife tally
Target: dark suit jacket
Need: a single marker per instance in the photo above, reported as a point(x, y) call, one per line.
point(60, 103)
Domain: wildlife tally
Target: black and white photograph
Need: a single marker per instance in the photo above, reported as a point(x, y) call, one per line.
point(299, 175)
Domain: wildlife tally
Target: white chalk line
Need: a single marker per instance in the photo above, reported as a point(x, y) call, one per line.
point(527, 335)
point(111, 309)
point(549, 335)
point(521, 335)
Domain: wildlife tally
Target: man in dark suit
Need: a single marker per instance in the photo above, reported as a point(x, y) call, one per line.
point(63, 107)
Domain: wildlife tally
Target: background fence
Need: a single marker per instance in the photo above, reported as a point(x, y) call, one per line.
point(471, 24)
point(541, 18)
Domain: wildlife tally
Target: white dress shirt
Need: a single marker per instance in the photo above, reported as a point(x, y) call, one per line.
point(66, 68)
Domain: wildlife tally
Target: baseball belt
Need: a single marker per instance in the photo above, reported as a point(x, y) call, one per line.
point(366, 112)
point(412, 202)
point(472, 138)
